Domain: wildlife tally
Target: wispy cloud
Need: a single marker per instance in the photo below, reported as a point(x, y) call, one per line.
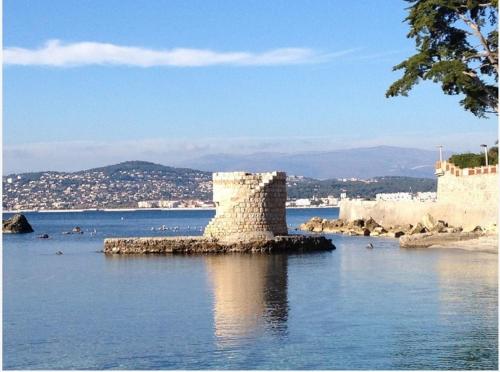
point(59, 54)
point(77, 155)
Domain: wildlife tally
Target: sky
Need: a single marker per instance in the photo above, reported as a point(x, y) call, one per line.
point(91, 83)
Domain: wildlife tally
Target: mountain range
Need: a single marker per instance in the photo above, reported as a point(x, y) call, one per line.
point(351, 163)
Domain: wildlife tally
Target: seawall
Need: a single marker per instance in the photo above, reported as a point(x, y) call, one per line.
point(465, 197)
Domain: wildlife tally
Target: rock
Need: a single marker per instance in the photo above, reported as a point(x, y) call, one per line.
point(380, 230)
point(314, 224)
point(417, 229)
point(397, 234)
point(358, 223)
point(17, 224)
point(452, 229)
point(371, 224)
point(404, 228)
point(490, 228)
point(473, 228)
point(428, 221)
point(305, 227)
point(429, 239)
point(374, 233)
point(317, 228)
point(366, 232)
point(332, 226)
point(440, 226)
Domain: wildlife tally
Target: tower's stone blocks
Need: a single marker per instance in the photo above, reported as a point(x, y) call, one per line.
point(248, 206)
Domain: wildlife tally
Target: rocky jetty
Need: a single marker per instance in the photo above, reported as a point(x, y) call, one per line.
point(428, 232)
point(370, 227)
point(204, 245)
point(17, 224)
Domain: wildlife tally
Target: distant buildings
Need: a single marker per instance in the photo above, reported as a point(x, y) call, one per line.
point(329, 201)
point(95, 189)
point(196, 203)
point(398, 196)
point(166, 187)
point(303, 202)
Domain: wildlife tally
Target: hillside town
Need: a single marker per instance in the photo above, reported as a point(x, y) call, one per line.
point(147, 185)
point(100, 189)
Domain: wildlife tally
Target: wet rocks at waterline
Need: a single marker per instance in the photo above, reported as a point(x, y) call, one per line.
point(17, 224)
point(370, 227)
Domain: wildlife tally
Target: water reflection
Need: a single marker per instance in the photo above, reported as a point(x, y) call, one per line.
point(460, 278)
point(250, 295)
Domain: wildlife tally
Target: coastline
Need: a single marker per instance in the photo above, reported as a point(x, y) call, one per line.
point(137, 209)
point(487, 243)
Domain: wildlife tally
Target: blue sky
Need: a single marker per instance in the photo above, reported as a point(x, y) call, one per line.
point(169, 80)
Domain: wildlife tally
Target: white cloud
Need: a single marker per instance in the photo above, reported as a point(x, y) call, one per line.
point(59, 54)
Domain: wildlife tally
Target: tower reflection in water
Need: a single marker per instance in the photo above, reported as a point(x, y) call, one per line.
point(250, 295)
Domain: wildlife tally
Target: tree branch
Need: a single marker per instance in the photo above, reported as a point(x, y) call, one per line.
point(492, 57)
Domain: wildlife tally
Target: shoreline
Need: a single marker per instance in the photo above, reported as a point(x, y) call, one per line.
point(487, 243)
point(137, 209)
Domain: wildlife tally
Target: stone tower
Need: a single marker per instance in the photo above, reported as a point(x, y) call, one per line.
point(248, 206)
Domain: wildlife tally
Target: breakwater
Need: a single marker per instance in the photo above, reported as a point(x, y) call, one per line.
point(203, 245)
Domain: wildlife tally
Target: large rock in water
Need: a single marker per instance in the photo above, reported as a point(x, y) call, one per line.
point(428, 222)
point(17, 224)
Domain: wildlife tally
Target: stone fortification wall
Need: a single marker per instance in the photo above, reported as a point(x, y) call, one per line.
point(465, 197)
point(468, 187)
point(385, 212)
point(248, 205)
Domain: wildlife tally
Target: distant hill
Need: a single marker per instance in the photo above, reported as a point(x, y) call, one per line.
point(119, 185)
point(125, 184)
point(358, 188)
point(143, 166)
point(359, 163)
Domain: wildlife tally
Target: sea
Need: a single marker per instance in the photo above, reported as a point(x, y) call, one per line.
point(351, 308)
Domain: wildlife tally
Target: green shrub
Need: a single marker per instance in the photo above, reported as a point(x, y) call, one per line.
point(471, 160)
point(493, 155)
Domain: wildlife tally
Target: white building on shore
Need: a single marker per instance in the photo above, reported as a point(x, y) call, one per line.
point(399, 196)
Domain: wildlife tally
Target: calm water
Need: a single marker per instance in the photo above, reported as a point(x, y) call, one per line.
point(353, 308)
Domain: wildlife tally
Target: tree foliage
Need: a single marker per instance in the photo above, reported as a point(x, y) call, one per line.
point(457, 46)
point(471, 160)
point(467, 160)
point(322, 188)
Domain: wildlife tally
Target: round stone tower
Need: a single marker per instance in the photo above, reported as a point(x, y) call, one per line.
point(248, 206)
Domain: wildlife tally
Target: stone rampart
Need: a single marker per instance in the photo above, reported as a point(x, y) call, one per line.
point(248, 205)
point(465, 197)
